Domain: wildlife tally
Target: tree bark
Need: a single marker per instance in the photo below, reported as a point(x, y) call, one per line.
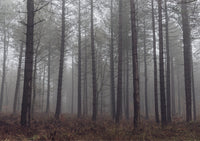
point(94, 81)
point(49, 77)
point(136, 94)
point(145, 73)
point(173, 89)
point(119, 80)
point(60, 75)
point(155, 65)
point(79, 59)
point(4, 68)
point(112, 77)
point(27, 90)
point(168, 66)
point(187, 59)
point(161, 67)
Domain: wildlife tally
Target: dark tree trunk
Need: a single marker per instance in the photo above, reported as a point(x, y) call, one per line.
point(112, 77)
point(119, 81)
point(161, 66)
point(155, 65)
point(179, 93)
point(79, 59)
point(26, 101)
point(127, 83)
point(85, 112)
point(173, 89)
point(187, 59)
point(168, 66)
point(60, 75)
point(136, 94)
point(18, 80)
point(48, 83)
point(94, 83)
point(145, 73)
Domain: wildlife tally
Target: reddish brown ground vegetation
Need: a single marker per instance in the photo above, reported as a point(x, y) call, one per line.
point(70, 128)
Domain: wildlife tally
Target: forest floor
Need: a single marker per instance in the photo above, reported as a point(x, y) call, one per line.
point(70, 128)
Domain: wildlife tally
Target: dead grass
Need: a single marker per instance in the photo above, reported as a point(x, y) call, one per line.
point(70, 128)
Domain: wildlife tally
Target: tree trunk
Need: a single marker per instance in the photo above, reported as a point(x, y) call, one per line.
point(85, 80)
point(155, 65)
point(18, 80)
point(193, 91)
point(168, 66)
point(112, 77)
point(48, 83)
point(72, 104)
point(27, 90)
point(94, 83)
point(187, 59)
point(161, 66)
point(119, 81)
point(79, 59)
point(135, 66)
point(60, 75)
point(34, 79)
point(145, 73)
point(173, 89)
point(3, 69)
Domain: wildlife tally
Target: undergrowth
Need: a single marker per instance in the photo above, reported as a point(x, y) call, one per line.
point(70, 128)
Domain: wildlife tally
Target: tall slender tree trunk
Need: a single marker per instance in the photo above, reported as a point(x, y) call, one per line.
point(34, 78)
point(60, 75)
point(168, 66)
point(145, 73)
point(136, 93)
point(187, 58)
point(119, 80)
point(79, 59)
point(72, 104)
point(173, 89)
point(94, 81)
point(193, 92)
point(155, 65)
point(49, 77)
point(18, 80)
point(43, 83)
point(127, 84)
point(161, 67)
point(112, 77)
point(4, 68)
point(27, 90)
point(85, 79)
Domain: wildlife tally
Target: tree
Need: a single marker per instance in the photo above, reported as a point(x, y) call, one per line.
point(119, 79)
point(26, 101)
point(155, 65)
point(16, 97)
point(112, 79)
point(145, 73)
point(161, 66)
point(94, 81)
point(60, 75)
point(48, 83)
point(79, 59)
point(136, 93)
point(5, 45)
point(187, 58)
point(168, 66)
